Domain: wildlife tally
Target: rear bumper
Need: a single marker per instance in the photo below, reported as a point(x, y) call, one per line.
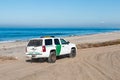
point(37, 56)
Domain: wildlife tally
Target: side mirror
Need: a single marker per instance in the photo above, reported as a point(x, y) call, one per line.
point(68, 42)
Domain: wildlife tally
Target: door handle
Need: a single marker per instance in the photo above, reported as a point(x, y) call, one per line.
point(63, 46)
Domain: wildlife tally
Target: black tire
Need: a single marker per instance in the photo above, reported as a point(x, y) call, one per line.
point(73, 53)
point(52, 57)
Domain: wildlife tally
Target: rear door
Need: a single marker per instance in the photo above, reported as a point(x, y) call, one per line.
point(34, 47)
point(58, 46)
point(49, 45)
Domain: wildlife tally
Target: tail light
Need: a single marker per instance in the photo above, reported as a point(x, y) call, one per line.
point(43, 48)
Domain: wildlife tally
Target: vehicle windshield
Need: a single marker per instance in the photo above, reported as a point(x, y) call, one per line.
point(63, 41)
point(35, 43)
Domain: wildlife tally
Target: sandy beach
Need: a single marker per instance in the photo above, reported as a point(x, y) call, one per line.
point(96, 63)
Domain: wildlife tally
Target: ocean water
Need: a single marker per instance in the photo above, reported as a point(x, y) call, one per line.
point(16, 34)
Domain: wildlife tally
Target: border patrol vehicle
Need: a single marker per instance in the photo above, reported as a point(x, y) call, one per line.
point(49, 48)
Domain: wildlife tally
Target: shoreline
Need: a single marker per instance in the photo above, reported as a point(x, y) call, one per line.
point(82, 42)
point(69, 36)
point(101, 38)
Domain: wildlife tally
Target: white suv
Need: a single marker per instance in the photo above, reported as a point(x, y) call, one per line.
point(50, 48)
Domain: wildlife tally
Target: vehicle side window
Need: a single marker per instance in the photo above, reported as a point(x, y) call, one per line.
point(56, 41)
point(48, 42)
point(63, 41)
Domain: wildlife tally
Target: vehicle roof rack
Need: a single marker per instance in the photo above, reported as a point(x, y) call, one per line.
point(47, 36)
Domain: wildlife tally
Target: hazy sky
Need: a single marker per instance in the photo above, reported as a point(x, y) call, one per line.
point(60, 12)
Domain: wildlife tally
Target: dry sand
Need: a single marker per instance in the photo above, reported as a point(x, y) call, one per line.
point(101, 63)
point(96, 38)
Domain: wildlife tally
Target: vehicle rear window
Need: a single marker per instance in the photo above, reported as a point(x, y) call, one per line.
point(35, 43)
point(48, 42)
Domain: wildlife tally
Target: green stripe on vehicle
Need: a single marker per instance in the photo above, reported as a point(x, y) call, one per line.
point(58, 50)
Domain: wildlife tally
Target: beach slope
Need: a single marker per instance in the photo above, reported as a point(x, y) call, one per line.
point(96, 63)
